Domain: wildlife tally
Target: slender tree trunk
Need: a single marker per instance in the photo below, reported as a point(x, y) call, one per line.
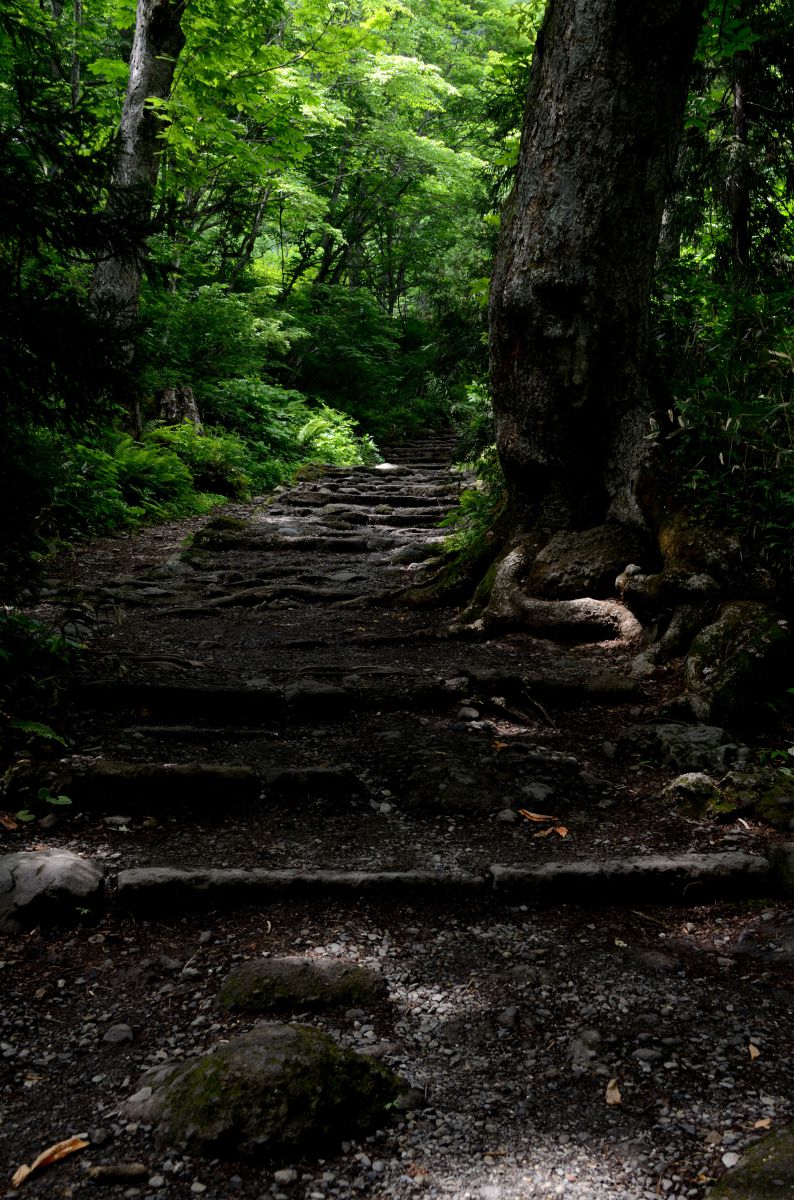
point(739, 182)
point(116, 285)
point(570, 288)
point(156, 47)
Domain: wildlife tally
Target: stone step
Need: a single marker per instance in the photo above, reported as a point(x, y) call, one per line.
point(310, 696)
point(156, 788)
point(368, 499)
point(677, 879)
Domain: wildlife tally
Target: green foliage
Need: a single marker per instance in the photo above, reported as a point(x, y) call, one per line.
point(730, 354)
point(218, 460)
point(32, 658)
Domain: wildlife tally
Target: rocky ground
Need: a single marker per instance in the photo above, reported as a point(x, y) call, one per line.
point(588, 968)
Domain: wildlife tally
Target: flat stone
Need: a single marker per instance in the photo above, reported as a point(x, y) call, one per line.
point(316, 695)
point(151, 785)
point(270, 1093)
point(682, 877)
point(46, 887)
point(147, 888)
point(294, 782)
point(265, 985)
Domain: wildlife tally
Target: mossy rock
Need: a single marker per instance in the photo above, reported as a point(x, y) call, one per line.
point(698, 795)
point(275, 984)
point(274, 1092)
point(768, 793)
point(738, 662)
point(766, 1171)
point(221, 532)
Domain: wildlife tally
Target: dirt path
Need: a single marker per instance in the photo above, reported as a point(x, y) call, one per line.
point(272, 755)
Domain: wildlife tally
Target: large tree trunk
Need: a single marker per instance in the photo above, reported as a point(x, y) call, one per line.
point(570, 288)
point(156, 47)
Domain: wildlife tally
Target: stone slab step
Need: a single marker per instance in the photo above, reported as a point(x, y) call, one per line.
point(367, 499)
point(309, 696)
point(681, 879)
point(159, 889)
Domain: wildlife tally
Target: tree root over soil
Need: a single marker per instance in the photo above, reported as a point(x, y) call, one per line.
point(509, 606)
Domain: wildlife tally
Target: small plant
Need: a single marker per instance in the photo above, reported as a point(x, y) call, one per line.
point(46, 797)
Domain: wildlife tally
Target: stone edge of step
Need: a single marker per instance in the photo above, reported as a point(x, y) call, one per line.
point(674, 878)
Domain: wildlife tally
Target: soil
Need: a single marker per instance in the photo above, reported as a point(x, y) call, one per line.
point(513, 1021)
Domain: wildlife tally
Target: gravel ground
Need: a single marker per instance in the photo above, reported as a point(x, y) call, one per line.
point(518, 1027)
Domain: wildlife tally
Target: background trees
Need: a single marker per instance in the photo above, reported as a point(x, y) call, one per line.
point(314, 242)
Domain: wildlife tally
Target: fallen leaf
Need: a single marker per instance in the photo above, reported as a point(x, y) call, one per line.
point(52, 1154)
point(500, 745)
point(7, 821)
point(754, 1051)
point(530, 816)
point(561, 831)
point(763, 1123)
point(613, 1095)
point(544, 833)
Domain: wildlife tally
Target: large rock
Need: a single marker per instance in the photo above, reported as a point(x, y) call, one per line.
point(266, 984)
point(737, 663)
point(273, 1092)
point(766, 1171)
point(684, 747)
point(585, 563)
point(46, 887)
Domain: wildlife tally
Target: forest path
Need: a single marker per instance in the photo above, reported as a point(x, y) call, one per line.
point(273, 756)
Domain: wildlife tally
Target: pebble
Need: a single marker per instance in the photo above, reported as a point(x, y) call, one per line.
point(286, 1175)
point(118, 1034)
point(730, 1159)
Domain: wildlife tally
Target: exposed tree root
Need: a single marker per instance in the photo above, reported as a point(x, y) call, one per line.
point(508, 606)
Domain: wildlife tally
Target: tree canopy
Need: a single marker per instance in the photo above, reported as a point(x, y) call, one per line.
point(313, 248)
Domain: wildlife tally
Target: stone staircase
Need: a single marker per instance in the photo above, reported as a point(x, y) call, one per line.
point(271, 750)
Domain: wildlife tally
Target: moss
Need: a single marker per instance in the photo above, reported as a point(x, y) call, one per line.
point(276, 984)
point(274, 1091)
point(766, 1171)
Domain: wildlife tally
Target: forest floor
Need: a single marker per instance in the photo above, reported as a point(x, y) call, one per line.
point(621, 1049)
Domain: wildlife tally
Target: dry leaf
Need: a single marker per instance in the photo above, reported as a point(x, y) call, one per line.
point(7, 821)
point(52, 1154)
point(561, 831)
point(763, 1123)
point(613, 1095)
point(500, 745)
point(530, 816)
point(544, 833)
point(754, 1051)
point(19, 1177)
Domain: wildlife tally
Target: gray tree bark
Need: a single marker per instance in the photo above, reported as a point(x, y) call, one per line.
point(156, 47)
point(569, 296)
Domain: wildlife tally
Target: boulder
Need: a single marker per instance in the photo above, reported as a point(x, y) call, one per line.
point(274, 1092)
point(765, 1171)
point(738, 662)
point(765, 793)
point(46, 887)
point(698, 795)
point(585, 563)
point(266, 984)
point(683, 747)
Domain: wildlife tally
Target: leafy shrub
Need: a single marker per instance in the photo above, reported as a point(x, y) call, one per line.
point(219, 461)
point(32, 656)
point(123, 483)
point(730, 354)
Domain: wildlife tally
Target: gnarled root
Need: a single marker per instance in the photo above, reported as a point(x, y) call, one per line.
point(508, 606)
